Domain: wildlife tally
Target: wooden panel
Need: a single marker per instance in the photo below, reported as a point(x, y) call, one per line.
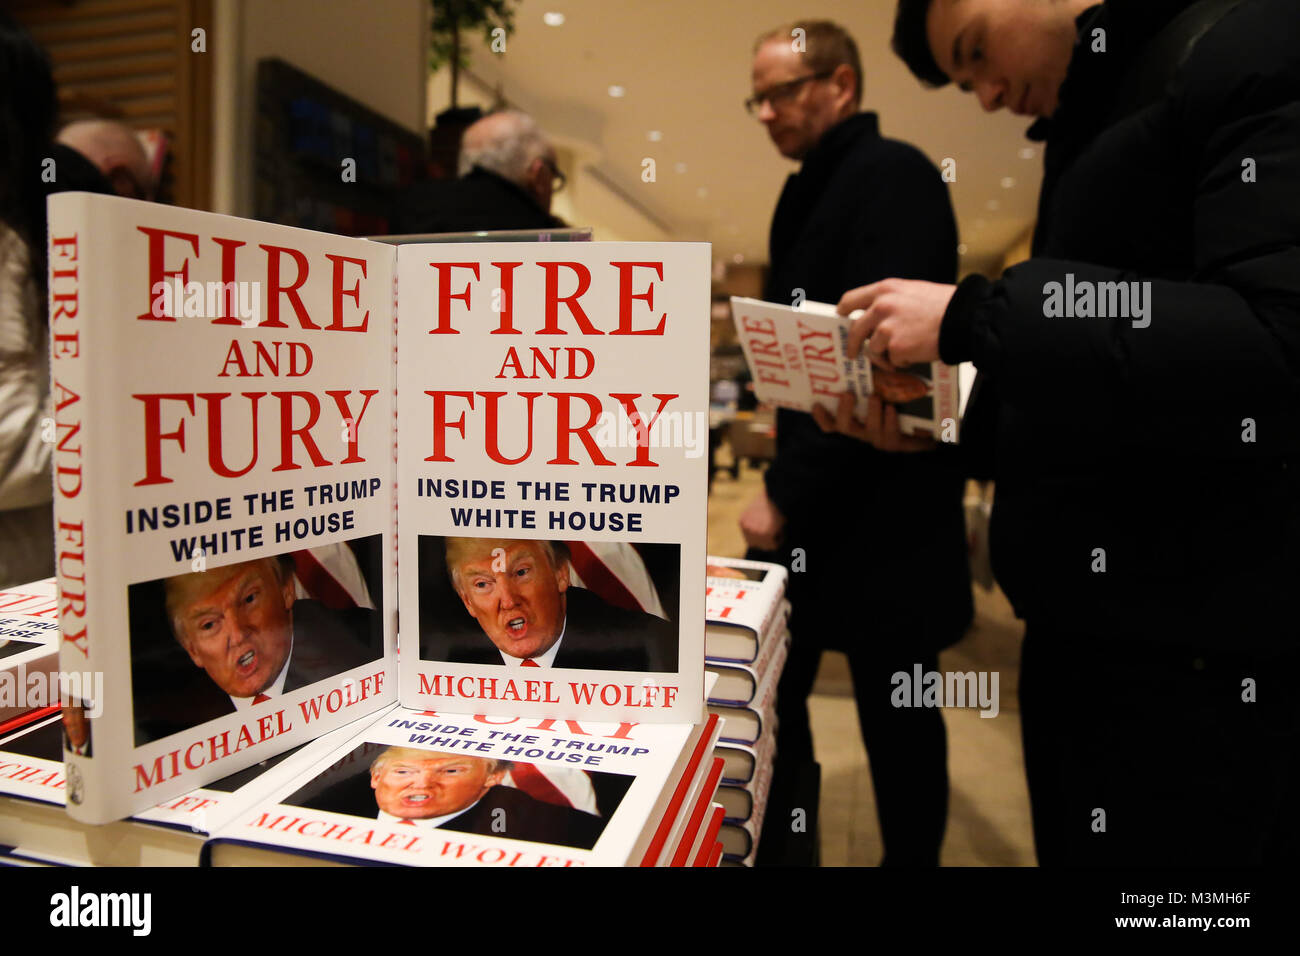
point(132, 60)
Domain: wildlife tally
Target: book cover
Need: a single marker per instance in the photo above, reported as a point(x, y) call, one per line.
point(33, 795)
point(744, 603)
point(552, 399)
point(799, 359)
point(424, 789)
point(29, 652)
point(223, 411)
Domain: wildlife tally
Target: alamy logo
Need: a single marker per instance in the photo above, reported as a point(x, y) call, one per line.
point(1102, 300)
point(949, 689)
point(75, 908)
point(229, 300)
point(32, 690)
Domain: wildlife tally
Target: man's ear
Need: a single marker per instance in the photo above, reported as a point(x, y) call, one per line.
point(562, 576)
point(537, 169)
point(494, 778)
point(374, 779)
point(846, 82)
point(287, 592)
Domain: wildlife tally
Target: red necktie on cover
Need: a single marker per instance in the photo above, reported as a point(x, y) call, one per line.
point(260, 699)
point(406, 823)
point(529, 662)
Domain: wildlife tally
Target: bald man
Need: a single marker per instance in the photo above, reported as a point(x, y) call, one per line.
point(116, 152)
point(509, 175)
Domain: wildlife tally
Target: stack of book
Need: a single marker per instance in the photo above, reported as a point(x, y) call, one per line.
point(29, 654)
point(230, 524)
point(746, 642)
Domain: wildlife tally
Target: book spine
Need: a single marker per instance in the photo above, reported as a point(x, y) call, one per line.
point(75, 357)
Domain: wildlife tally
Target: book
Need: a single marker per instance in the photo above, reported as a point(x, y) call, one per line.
point(423, 789)
point(740, 762)
point(745, 724)
point(227, 518)
point(738, 683)
point(799, 359)
point(29, 653)
point(710, 838)
point(32, 816)
point(740, 838)
point(551, 395)
point(744, 603)
point(687, 785)
point(736, 801)
point(689, 843)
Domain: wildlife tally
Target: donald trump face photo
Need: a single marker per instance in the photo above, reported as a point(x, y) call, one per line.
point(413, 784)
point(235, 622)
point(514, 589)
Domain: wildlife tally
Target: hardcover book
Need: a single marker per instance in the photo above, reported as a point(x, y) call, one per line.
point(799, 358)
point(744, 604)
point(428, 789)
point(33, 790)
point(228, 437)
point(29, 652)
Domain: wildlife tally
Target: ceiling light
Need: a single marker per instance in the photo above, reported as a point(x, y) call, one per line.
point(616, 91)
point(1028, 152)
point(680, 167)
point(1008, 182)
point(993, 205)
point(738, 258)
point(654, 136)
point(553, 19)
point(961, 249)
point(701, 192)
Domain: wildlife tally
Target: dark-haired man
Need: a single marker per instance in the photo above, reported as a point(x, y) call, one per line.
point(860, 208)
point(1140, 379)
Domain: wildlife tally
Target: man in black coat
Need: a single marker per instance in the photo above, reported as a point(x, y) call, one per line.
point(529, 614)
point(449, 791)
point(1140, 377)
point(889, 584)
point(508, 177)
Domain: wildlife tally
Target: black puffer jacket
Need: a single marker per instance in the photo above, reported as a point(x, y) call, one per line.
point(1167, 450)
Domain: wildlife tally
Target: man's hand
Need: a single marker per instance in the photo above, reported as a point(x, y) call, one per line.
point(880, 429)
point(900, 320)
point(761, 523)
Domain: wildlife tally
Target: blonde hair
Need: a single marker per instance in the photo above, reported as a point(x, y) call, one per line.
point(414, 753)
point(180, 589)
point(460, 550)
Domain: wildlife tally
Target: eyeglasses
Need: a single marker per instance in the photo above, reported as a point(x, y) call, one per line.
point(782, 92)
point(558, 179)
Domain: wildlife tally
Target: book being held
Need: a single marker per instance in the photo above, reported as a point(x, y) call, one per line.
point(229, 432)
point(798, 357)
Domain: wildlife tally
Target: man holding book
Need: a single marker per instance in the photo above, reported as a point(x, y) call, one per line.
point(1147, 519)
point(887, 584)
